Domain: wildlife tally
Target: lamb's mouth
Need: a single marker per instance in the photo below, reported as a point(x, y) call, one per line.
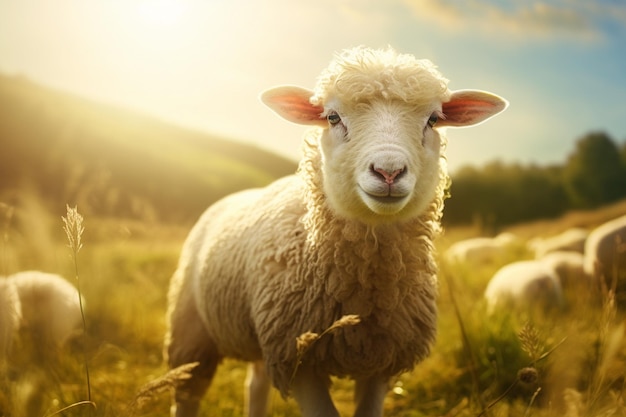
point(388, 199)
point(385, 198)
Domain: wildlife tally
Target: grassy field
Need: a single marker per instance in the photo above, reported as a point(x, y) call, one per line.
point(568, 364)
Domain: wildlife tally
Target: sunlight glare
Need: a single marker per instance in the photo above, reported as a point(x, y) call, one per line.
point(161, 12)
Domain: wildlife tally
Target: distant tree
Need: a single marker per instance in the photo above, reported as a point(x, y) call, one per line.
point(500, 194)
point(594, 173)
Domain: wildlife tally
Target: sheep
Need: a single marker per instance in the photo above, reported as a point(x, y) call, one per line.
point(50, 306)
point(570, 240)
point(524, 285)
point(605, 252)
point(350, 234)
point(568, 266)
point(10, 317)
point(479, 250)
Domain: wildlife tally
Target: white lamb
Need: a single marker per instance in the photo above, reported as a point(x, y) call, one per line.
point(10, 317)
point(50, 306)
point(570, 240)
point(605, 252)
point(479, 250)
point(568, 266)
point(350, 234)
point(524, 285)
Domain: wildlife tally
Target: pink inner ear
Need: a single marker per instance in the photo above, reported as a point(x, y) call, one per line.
point(292, 103)
point(467, 108)
point(306, 111)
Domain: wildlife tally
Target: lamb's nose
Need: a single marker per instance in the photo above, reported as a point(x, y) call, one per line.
point(388, 177)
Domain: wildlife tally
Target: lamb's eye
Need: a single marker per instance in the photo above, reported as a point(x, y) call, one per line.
point(432, 120)
point(333, 118)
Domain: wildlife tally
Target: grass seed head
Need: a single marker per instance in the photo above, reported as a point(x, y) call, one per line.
point(149, 392)
point(304, 342)
point(73, 226)
point(529, 339)
point(347, 320)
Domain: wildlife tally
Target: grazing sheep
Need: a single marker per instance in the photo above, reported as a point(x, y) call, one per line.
point(350, 234)
point(524, 285)
point(10, 317)
point(568, 266)
point(50, 306)
point(479, 250)
point(570, 240)
point(605, 252)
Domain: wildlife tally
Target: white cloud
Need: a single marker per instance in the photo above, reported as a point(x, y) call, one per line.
point(530, 19)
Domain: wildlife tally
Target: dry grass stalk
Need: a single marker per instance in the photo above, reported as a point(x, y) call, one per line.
point(531, 402)
point(529, 341)
point(73, 226)
point(149, 392)
point(610, 342)
point(307, 339)
point(347, 320)
point(71, 406)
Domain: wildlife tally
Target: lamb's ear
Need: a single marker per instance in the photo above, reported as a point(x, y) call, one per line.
point(292, 103)
point(470, 107)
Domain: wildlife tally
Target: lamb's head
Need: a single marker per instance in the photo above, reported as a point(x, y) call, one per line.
point(381, 114)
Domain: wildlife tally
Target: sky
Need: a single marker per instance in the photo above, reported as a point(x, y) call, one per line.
point(203, 63)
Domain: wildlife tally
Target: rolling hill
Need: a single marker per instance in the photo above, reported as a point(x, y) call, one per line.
point(114, 162)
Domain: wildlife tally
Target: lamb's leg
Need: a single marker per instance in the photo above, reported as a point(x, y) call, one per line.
point(370, 396)
point(188, 342)
point(311, 393)
point(257, 390)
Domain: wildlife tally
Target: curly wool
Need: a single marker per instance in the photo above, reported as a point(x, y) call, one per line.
point(287, 264)
point(386, 275)
point(360, 74)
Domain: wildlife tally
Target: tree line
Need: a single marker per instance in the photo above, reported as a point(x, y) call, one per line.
point(500, 194)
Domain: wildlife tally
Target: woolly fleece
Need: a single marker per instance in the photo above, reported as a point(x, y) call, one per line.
point(264, 266)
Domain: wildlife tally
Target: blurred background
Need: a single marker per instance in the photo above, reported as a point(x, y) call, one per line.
point(158, 96)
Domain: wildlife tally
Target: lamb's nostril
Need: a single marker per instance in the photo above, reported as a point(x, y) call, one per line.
point(388, 177)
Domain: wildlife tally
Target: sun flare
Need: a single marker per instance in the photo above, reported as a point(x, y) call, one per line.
point(161, 12)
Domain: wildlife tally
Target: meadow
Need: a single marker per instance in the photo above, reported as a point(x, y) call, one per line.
point(59, 149)
point(511, 364)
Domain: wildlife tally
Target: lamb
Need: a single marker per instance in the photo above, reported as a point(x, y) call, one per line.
point(568, 266)
point(524, 285)
point(570, 240)
point(351, 233)
point(605, 252)
point(479, 250)
point(50, 306)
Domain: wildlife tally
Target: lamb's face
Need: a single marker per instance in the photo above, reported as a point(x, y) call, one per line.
point(380, 159)
point(379, 144)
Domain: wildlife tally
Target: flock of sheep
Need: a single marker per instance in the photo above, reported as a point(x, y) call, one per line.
point(575, 260)
point(330, 271)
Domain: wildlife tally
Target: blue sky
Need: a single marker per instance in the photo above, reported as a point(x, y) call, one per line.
point(202, 63)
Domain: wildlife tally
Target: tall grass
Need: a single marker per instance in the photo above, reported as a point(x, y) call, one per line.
point(73, 226)
point(512, 364)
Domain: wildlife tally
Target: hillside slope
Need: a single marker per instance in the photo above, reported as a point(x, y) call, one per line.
point(114, 162)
